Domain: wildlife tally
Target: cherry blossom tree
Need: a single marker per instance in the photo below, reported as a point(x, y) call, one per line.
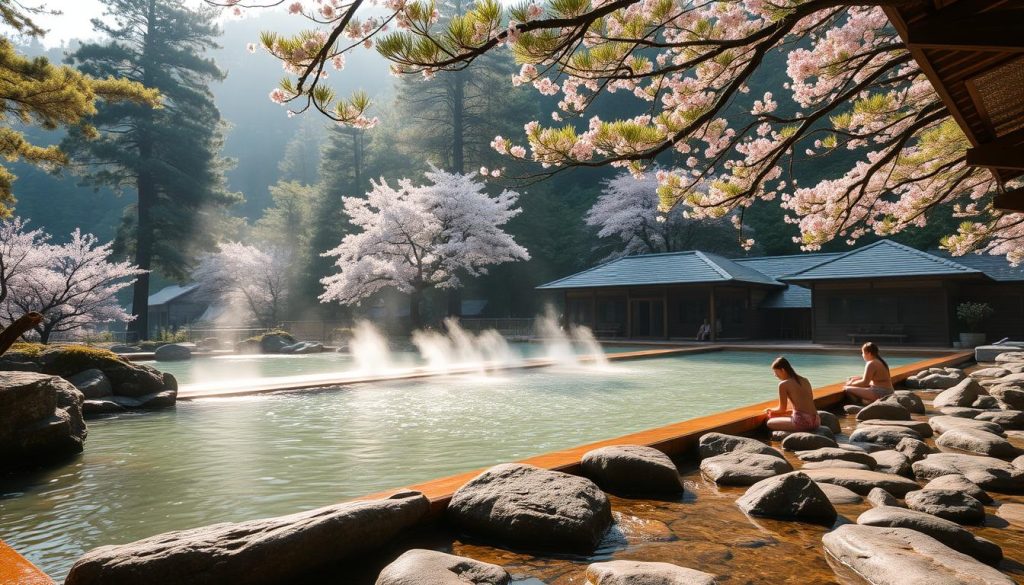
point(21, 252)
point(256, 281)
point(413, 238)
point(852, 86)
point(629, 212)
point(73, 285)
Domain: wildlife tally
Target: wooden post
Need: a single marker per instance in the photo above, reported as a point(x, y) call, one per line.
point(664, 313)
point(629, 316)
point(711, 303)
point(15, 330)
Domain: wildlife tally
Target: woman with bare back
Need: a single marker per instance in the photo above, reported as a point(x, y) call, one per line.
point(875, 382)
point(796, 390)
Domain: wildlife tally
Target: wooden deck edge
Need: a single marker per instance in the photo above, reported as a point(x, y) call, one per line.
point(16, 569)
point(673, 439)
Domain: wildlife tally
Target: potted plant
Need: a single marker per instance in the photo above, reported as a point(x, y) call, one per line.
point(973, 316)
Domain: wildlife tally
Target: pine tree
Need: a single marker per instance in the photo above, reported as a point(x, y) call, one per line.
point(170, 157)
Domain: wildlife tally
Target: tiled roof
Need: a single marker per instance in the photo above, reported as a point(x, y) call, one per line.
point(169, 293)
point(995, 267)
point(791, 297)
point(780, 266)
point(883, 258)
point(670, 268)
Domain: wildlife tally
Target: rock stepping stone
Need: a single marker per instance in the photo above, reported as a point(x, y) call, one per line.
point(269, 550)
point(806, 442)
point(963, 394)
point(632, 469)
point(96, 407)
point(908, 400)
point(1012, 513)
point(943, 424)
point(883, 410)
point(892, 461)
point(821, 431)
point(887, 436)
point(852, 408)
point(993, 372)
point(899, 556)
point(837, 494)
point(921, 427)
point(711, 444)
point(740, 468)
point(879, 497)
point(947, 532)
point(831, 421)
point(527, 505)
point(957, 482)
point(429, 567)
point(952, 505)
point(836, 464)
point(826, 454)
point(1010, 357)
point(1019, 462)
point(988, 472)
point(913, 449)
point(1007, 419)
point(985, 402)
point(861, 481)
point(645, 573)
point(977, 441)
point(1011, 396)
point(961, 411)
point(791, 496)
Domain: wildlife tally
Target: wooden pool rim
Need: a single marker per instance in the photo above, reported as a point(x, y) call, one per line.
point(674, 439)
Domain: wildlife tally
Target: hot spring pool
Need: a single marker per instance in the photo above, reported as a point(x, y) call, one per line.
point(229, 459)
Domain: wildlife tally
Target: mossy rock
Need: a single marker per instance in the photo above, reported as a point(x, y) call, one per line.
point(67, 360)
point(272, 332)
point(25, 350)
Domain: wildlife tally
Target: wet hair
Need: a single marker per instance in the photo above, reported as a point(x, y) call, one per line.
point(783, 364)
point(872, 349)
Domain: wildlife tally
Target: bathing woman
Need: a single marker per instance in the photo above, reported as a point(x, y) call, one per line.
point(794, 389)
point(875, 382)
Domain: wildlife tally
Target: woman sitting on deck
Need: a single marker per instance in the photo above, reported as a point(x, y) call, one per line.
point(794, 389)
point(875, 383)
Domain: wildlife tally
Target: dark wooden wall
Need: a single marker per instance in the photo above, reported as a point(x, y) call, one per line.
point(917, 308)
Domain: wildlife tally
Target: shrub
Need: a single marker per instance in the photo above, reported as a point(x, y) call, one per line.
point(973, 315)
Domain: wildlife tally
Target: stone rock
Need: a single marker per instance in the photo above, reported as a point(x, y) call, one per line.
point(789, 496)
point(1007, 419)
point(821, 431)
point(957, 482)
point(899, 556)
point(852, 408)
point(908, 400)
point(839, 495)
point(1011, 396)
point(963, 394)
point(920, 427)
point(888, 436)
point(92, 383)
point(1010, 357)
point(836, 464)
point(943, 424)
point(884, 410)
point(938, 381)
point(40, 418)
point(977, 441)
point(740, 468)
point(827, 454)
point(988, 472)
point(429, 567)
point(530, 506)
point(125, 349)
point(892, 461)
point(948, 533)
point(831, 421)
point(170, 382)
point(209, 344)
point(8, 363)
point(641, 573)
point(172, 352)
point(1012, 513)
point(985, 402)
point(125, 401)
point(274, 342)
point(993, 372)
point(806, 442)
point(303, 347)
point(632, 469)
point(96, 406)
point(878, 497)
point(961, 411)
point(1019, 462)
point(862, 447)
point(157, 400)
point(712, 444)
point(913, 449)
point(257, 552)
point(1013, 379)
point(861, 481)
point(951, 505)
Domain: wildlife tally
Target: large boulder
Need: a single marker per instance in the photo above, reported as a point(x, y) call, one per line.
point(530, 506)
point(898, 556)
point(40, 418)
point(1011, 396)
point(739, 468)
point(641, 573)
point(172, 352)
point(948, 533)
point(988, 472)
point(711, 444)
point(266, 551)
point(429, 567)
point(862, 481)
point(275, 342)
point(791, 496)
point(908, 400)
point(827, 454)
point(806, 442)
point(632, 469)
point(976, 441)
point(943, 424)
point(963, 394)
point(885, 435)
point(951, 505)
point(957, 482)
point(913, 449)
point(883, 410)
point(935, 378)
point(92, 383)
point(920, 427)
point(892, 461)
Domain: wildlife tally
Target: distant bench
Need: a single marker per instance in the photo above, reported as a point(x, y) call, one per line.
point(867, 333)
point(608, 330)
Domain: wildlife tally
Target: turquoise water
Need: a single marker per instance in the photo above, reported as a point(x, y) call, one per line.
point(229, 459)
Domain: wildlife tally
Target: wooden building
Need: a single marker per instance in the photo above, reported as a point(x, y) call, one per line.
point(884, 291)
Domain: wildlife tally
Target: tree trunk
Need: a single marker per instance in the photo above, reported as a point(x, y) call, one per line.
point(414, 309)
point(18, 328)
point(458, 161)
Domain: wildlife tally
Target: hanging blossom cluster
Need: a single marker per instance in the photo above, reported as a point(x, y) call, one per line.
point(851, 87)
point(415, 237)
point(73, 285)
point(252, 282)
